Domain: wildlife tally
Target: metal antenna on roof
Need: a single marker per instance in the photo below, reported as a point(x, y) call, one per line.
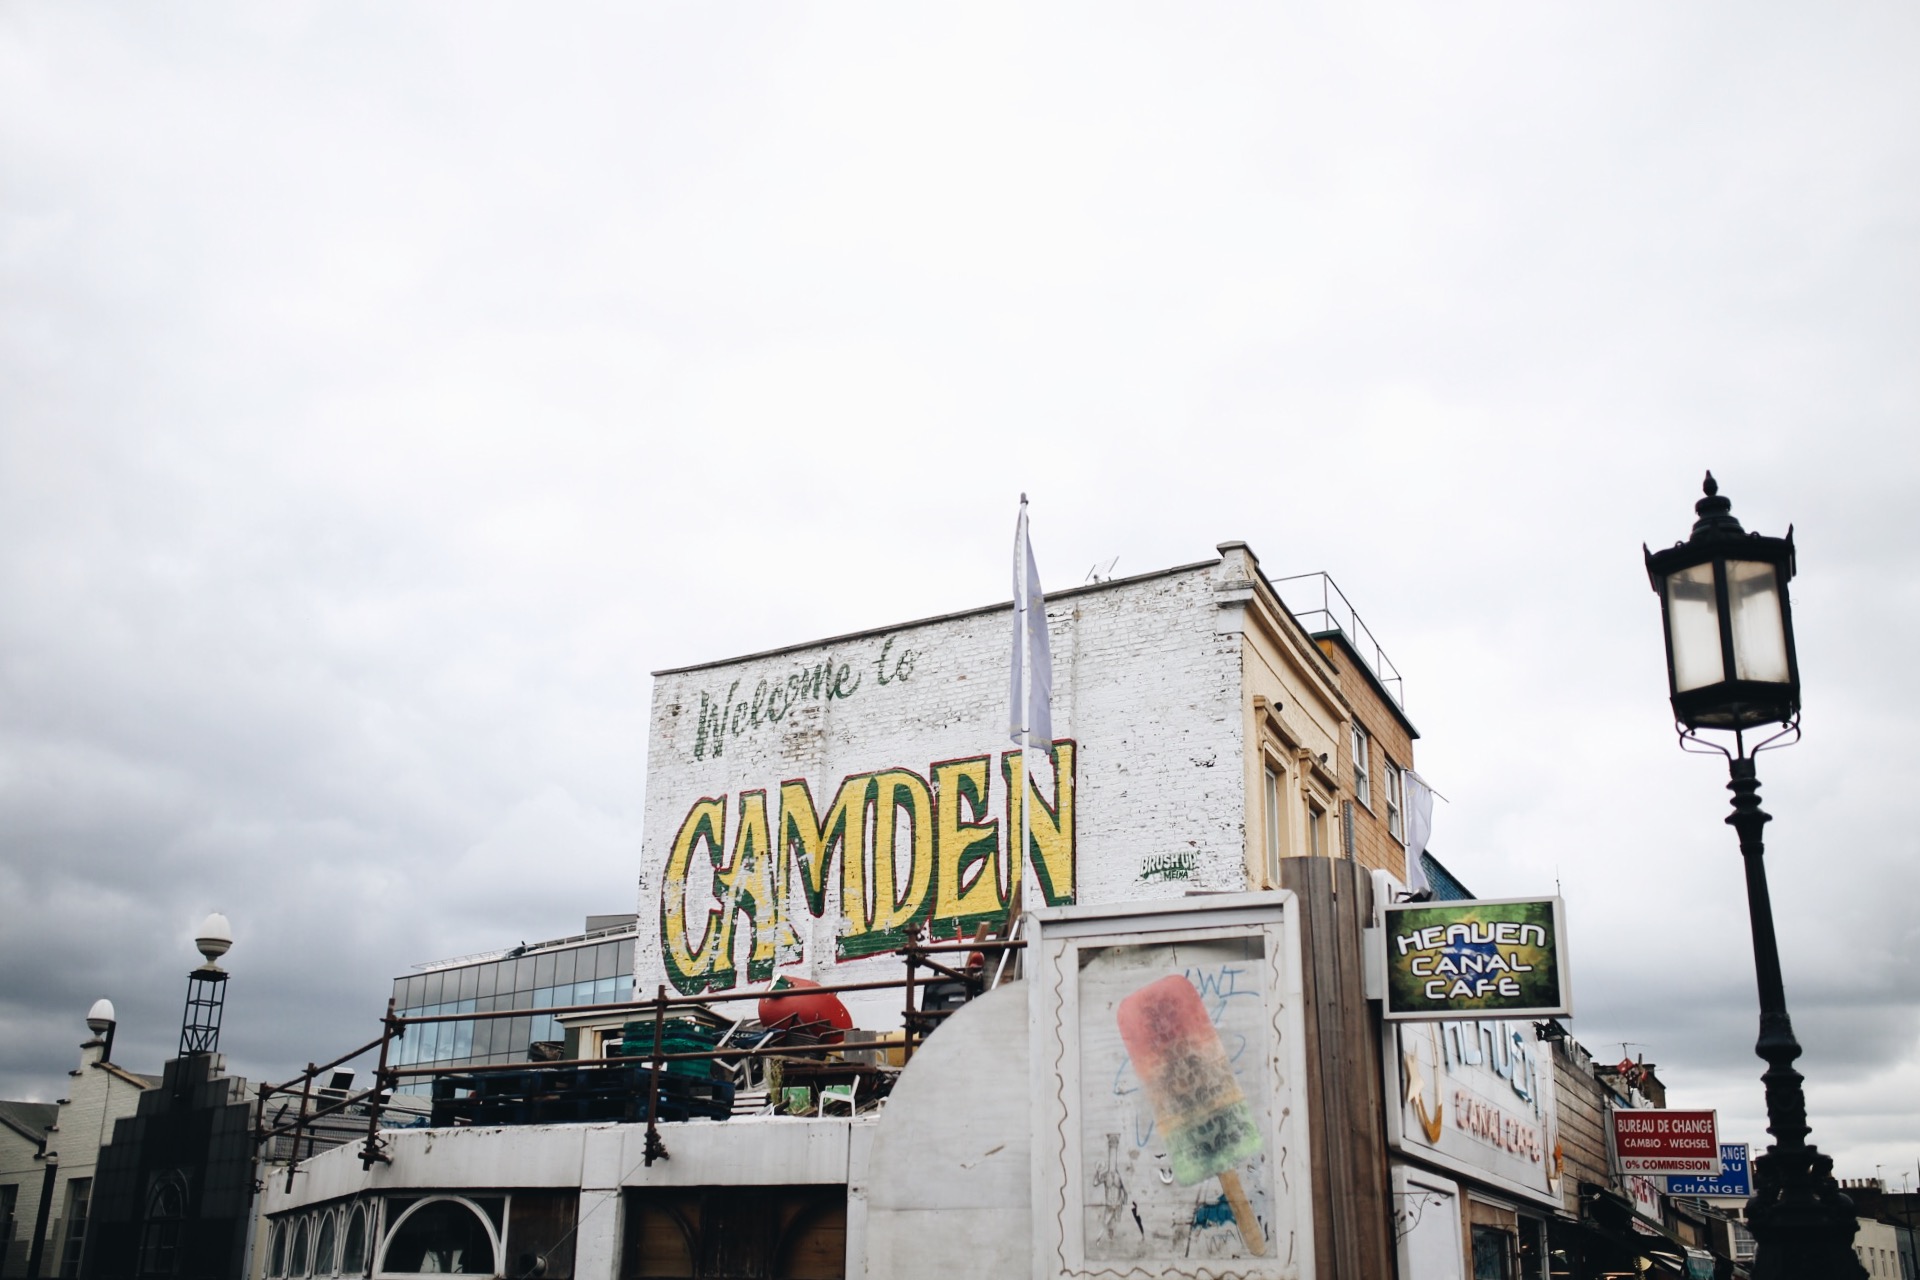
point(1102, 573)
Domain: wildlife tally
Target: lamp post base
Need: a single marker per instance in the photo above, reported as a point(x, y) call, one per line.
point(1803, 1224)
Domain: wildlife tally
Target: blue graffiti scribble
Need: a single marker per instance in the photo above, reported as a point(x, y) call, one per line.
point(1212, 1213)
point(1218, 986)
point(1125, 1083)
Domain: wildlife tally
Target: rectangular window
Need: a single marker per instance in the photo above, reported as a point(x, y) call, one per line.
point(79, 1192)
point(1273, 824)
point(1492, 1254)
point(1362, 779)
point(1396, 825)
point(1316, 831)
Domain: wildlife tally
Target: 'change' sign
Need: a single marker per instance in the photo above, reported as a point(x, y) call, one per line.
point(1734, 1180)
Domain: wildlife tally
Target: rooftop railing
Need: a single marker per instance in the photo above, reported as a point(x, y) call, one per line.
point(1334, 614)
point(630, 1087)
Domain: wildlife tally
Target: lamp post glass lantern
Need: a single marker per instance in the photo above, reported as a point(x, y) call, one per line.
point(1731, 667)
point(1723, 595)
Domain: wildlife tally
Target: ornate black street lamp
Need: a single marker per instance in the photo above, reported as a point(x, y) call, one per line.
point(1731, 667)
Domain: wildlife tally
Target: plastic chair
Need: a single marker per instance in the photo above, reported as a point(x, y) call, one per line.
point(840, 1094)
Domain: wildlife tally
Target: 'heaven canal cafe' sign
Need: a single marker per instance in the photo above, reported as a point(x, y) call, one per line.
point(1487, 958)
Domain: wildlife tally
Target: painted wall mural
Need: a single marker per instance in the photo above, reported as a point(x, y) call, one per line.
point(809, 809)
point(1177, 1103)
point(744, 708)
point(888, 852)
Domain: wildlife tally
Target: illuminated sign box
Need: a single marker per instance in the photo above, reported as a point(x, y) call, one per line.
point(1651, 1142)
point(1485, 958)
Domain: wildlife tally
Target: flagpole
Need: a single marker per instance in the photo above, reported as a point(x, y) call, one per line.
point(1022, 604)
point(1026, 707)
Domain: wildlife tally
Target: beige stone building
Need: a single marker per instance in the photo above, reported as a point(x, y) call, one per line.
point(1327, 740)
point(59, 1167)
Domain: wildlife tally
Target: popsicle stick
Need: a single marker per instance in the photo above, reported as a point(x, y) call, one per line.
point(1243, 1214)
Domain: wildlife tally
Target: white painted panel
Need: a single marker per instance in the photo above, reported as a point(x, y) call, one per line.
point(1426, 1225)
point(948, 1178)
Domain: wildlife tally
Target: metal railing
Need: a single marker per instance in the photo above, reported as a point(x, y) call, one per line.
point(304, 1127)
point(1336, 614)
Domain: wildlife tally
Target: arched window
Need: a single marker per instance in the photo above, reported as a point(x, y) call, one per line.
point(160, 1230)
point(323, 1247)
point(277, 1264)
point(353, 1254)
point(297, 1261)
point(441, 1236)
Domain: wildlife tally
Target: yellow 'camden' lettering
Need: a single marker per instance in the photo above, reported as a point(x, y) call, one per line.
point(910, 853)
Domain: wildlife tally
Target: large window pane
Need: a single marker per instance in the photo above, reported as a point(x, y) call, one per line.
point(353, 1257)
point(323, 1251)
point(489, 977)
point(469, 982)
point(441, 1237)
point(1759, 629)
point(623, 957)
point(563, 967)
point(540, 1226)
point(604, 957)
point(1693, 620)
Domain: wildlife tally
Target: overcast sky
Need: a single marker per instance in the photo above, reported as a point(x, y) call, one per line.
point(386, 390)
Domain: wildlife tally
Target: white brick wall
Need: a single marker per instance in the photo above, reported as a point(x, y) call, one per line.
point(1146, 685)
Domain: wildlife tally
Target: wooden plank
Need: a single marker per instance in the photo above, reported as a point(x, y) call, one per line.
point(1346, 1122)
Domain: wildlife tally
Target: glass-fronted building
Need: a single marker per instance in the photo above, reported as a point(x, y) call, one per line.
point(593, 967)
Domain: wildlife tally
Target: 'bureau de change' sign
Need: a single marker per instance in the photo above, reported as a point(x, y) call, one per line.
point(1656, 1142)
point(1476, 958)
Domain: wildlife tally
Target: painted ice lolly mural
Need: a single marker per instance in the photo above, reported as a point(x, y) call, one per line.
point(1198, 1106)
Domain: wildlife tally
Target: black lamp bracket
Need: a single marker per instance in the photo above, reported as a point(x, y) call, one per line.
point(1691, 741)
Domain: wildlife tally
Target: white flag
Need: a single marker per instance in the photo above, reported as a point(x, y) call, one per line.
point(1419, 828)
point(1029, 714)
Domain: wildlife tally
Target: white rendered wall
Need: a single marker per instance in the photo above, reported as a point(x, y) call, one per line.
point(948, 1175)
point(600, 1160)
